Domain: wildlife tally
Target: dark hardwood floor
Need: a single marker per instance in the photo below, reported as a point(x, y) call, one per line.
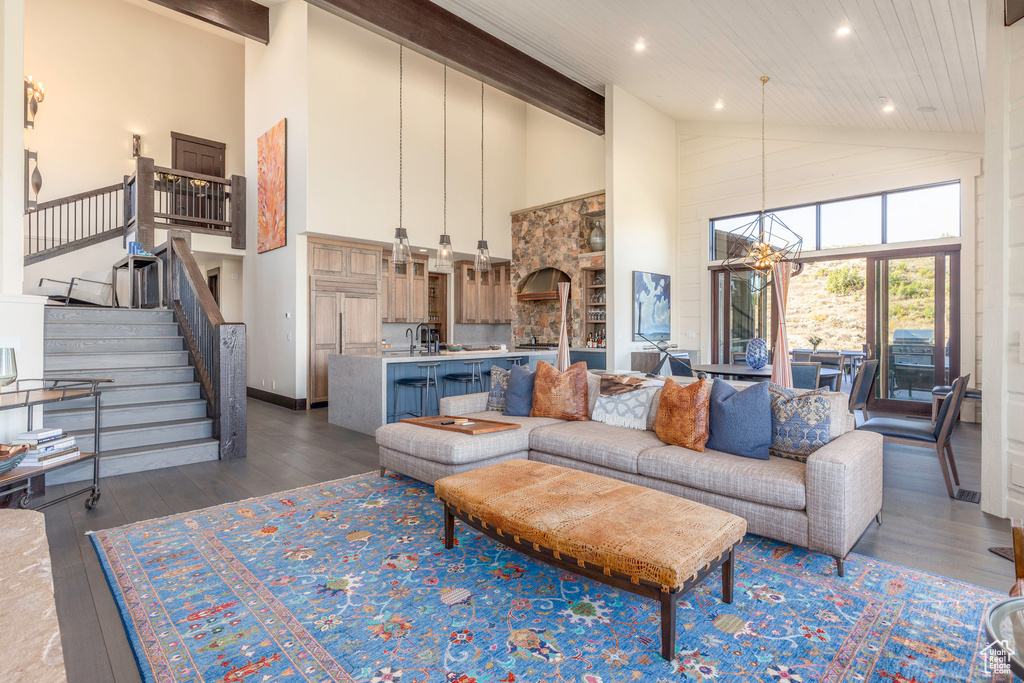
point(922, 527)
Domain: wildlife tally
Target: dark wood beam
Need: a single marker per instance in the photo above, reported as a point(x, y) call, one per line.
point(246, 18)
point(434, 31)
point(1014, 12)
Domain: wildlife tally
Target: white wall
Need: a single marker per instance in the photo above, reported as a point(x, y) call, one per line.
point(22, 330)
point(230, 282)
point(641, 209)
point(1002, 447)
point(353, 159)
point(12, 202)
point(111, 68)
point(276, 88)
point(562, 159)
point(720, 174)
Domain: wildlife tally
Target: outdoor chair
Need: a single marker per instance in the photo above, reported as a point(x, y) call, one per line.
point(863, 385)
point(921, 432)
point(801, 356)
point(806, 375)
point(739, 357)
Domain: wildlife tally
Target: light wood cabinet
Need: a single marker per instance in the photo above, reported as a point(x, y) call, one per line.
point(406, 287)
point(345, 306)
point(482, 297)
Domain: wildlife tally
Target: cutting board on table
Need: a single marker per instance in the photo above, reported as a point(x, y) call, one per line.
point(477, 426)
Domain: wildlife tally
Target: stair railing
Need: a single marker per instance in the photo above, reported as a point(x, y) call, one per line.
point(216, 348)
point(80, 220)
point(165, 198)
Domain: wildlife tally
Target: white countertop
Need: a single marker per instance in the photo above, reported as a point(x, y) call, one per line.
point(406, 357)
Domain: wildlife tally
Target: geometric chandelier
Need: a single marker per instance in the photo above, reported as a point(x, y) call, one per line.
point(763, 242)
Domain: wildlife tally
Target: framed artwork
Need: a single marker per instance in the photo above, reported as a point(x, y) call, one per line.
point(652, 306)
point(271, 161)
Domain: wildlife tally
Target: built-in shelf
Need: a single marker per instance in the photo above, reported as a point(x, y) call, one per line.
point(593, 283)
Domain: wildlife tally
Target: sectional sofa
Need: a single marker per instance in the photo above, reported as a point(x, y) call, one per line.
point(824, 505)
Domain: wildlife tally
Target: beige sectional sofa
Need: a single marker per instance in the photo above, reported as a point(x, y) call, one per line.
point(824, 505)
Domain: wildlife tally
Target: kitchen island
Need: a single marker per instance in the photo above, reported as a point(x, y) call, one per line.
point(361, 389)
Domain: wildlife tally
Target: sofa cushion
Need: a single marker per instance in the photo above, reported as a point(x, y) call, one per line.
point(777, 482)
point(801, 422)
point(741, 421)
point(594, 442)
point(519, 393)
point(682, 417)
point(499, 385)
point(561, 395)
point(452, 448)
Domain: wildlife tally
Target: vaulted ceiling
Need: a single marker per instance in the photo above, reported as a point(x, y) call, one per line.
point(915, 54)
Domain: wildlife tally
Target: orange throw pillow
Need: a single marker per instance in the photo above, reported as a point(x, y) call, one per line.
point(682, 417)
point(561, 395)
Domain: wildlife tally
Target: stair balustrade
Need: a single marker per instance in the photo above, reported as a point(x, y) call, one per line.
point(59, 226)
point(217, 348)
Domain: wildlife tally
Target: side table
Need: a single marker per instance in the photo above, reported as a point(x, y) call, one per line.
point(135, 262)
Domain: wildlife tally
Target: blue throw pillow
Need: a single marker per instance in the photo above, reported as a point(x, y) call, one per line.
point(741, 421)
point(519, 395)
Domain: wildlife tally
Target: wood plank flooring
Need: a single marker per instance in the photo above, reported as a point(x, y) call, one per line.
point(922, 527)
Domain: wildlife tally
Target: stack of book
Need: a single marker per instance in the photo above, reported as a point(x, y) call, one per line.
point(47, 446)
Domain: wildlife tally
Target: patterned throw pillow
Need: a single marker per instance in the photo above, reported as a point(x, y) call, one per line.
point(625, 401)
point(801, 422)
point(561, 395)
point(499, 384)
point(682, 417)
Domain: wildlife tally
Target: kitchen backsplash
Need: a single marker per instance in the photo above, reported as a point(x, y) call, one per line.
point(469, 335)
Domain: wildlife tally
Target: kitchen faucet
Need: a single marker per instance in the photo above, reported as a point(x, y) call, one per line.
point(416, 334)
point(411, 336)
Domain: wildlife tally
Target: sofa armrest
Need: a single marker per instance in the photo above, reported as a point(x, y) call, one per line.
point(464, 405)
point(844, 491)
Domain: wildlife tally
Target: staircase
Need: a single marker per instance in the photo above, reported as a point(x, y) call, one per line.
point(152, 415)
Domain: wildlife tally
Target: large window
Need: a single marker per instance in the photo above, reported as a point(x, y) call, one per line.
point(923, 213)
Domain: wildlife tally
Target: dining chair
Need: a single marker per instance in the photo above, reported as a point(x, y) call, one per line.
point(921, 432)
point(801, 356)
point(828, 360)
point(863, 385)
point(739, 357)
point(806, 375)
point(680, 367)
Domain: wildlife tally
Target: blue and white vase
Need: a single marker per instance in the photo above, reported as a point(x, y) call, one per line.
point(757, 353)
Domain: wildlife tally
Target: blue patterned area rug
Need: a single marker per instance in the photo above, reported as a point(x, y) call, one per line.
point(349, 581)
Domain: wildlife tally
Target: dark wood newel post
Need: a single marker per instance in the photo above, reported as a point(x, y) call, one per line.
point(144, 197)
point(229, 406)
point(238, 212)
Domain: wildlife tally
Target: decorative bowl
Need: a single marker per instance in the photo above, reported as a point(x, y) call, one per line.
point(10, 463)
point(454, 347)
point(757, 353)
point(495, 347)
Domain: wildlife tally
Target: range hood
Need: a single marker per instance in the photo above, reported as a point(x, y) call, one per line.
point(542, 285)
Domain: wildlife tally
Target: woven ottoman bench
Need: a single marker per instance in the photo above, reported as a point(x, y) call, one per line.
point(629, 537)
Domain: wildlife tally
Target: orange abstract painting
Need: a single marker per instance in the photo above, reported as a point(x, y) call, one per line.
point(270, 188)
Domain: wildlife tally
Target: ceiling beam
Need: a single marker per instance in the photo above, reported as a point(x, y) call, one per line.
point(246, 18)
point(434, 31)
point(1014, 12)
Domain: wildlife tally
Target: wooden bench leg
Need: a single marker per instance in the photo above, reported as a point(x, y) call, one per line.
point(668, 625)
point(449, 528)
point(727, 580)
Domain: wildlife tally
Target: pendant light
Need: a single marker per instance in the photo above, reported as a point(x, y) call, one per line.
point(445, 262)
point(754, 248)
point(401, 253)
point(482, 262)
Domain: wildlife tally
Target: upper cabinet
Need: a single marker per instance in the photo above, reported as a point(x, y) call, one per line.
point(482, 297)
point(333, 259)
point(405, 287)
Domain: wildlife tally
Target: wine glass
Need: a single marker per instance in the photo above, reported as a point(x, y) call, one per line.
point(8, 367)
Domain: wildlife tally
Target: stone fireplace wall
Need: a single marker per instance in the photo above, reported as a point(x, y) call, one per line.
point(549, 237)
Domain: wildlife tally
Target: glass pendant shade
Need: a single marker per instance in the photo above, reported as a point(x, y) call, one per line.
point(482, 262)
point(445, 257)
point(400, 251)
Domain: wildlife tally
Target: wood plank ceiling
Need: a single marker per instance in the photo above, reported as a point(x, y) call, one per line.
point(918, 54)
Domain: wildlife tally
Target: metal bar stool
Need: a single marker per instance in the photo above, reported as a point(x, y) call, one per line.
point(472, 378)
point(515, 360)
point(423, 384)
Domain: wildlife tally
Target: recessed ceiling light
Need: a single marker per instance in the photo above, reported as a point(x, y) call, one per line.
point(423, 250)
point(843, 31)
point(719, 104)
point(640, 45)
point(889, 108)
point(926, 110)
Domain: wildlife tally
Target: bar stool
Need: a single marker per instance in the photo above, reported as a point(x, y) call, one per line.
point(472, 378)
point(515, 360)
point(429, 379)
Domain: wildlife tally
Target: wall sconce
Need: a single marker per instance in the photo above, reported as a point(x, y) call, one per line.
point(34, 94)
point(33, 180)
point(136, 145)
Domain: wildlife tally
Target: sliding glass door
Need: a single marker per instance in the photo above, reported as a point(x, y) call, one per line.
point(913, 327)
point(740, 312)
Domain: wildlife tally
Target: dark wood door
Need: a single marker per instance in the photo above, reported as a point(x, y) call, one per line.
point(197, 155)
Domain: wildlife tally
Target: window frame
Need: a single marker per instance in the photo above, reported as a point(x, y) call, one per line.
point(714, 258)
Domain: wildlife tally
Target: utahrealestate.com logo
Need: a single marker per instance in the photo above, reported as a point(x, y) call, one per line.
point(996, 658)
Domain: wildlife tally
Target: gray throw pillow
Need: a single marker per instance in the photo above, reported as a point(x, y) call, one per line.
point(519, 394)
point(741, 421)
